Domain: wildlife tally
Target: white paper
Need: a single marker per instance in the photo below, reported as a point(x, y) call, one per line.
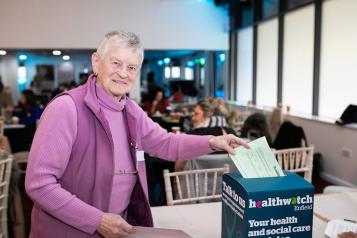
point(336, 227)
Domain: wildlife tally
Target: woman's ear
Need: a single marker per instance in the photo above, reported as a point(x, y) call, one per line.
point(95, 62)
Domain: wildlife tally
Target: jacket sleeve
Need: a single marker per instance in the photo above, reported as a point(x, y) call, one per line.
point(48, 159)
point(158, 142)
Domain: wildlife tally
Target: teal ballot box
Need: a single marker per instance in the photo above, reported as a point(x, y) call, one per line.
point(274, 207)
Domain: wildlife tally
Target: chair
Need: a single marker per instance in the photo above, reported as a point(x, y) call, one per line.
point(5, 175)
point(298, 160)
point(196, 186)
point(21, 158)
point(211, 161)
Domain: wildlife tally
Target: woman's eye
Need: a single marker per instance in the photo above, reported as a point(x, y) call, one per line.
point(132, 68)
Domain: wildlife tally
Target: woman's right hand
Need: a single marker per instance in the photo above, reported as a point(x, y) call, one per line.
point(349, 234)
point(114, 226)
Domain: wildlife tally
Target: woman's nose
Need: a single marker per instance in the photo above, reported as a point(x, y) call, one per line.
point(122, 72)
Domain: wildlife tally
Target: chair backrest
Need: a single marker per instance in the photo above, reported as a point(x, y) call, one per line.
point(5, 174)
point(195, 185)
point(298, 160)
point(211, 161)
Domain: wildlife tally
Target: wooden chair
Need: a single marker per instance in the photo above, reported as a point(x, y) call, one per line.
point(211, 161)
point(297, 160)
point(5, 175)
point(197, 186)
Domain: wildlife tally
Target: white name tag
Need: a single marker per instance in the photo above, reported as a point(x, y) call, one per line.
point(140, 155)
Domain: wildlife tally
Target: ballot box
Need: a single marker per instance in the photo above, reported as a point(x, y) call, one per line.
point(274, 207)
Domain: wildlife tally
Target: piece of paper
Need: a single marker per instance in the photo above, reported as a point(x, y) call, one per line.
point(258, 161)
point(150, 232)
point(336, 227)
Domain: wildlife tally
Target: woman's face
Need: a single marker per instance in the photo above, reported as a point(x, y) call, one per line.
point(159, 96)
point(22, 98)
point(198, 116)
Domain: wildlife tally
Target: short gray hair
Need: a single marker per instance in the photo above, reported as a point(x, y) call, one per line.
point(121, 39)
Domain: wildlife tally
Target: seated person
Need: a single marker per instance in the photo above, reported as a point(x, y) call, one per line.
point(158, 105)
point(27, 110)
point(176, 94)
point(206, 120)
point(256, 126)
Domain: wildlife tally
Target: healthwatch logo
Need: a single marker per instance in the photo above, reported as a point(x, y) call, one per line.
point(277, 202)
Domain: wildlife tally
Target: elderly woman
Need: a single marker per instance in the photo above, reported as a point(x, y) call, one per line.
point(84, 171)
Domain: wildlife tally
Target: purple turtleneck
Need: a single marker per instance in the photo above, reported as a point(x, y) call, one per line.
point(123, 183)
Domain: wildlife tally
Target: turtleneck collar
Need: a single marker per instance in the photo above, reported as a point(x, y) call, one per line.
point(107, 101)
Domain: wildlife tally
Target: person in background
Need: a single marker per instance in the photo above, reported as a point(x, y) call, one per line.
point(158, 105)
point(256, 126)
point(149, 88)
point(84, 171)
point(176, 94)
point(27, 110)
point(6, 100)
point(235, 120)
point(207, 119)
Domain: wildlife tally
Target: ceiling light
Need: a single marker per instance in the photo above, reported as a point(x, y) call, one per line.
point(22, 57)
point(66, 57)
point(56, 52)
point(167, 60)
point(2, 52)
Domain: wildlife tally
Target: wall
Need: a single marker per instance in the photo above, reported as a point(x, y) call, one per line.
point(162, 24)
point(329, 140)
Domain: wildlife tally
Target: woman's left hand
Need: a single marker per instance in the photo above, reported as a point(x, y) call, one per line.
point(227, 143)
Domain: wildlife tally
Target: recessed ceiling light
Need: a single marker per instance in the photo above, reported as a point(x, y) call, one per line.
point(56, 52)
point(2, 52)
point(66, 57)
point(22, 57)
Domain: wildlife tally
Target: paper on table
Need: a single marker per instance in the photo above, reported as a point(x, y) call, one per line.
point(258, 161)
point(336, 227)
point(150, 232)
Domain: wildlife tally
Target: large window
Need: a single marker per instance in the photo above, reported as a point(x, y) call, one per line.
point(298, 60)
point(267, 63)
point(245, 65)
point(338, 77)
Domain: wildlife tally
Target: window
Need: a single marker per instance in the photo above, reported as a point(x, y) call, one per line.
point(189, 73)
point(299, 60)
point(167, 72)
point(245, 65)
point(267, 63)
point(175, 71)
point(338, 71)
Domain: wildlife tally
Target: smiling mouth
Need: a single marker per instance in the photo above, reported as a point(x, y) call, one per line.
point(119, 82)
